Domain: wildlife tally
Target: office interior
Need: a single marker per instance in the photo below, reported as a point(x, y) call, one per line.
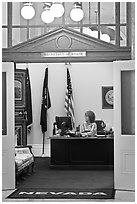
point(25, 44)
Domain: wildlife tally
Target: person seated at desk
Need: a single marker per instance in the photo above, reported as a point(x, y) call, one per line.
point(89, 126)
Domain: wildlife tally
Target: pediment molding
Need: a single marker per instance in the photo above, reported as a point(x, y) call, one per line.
point(65, 40)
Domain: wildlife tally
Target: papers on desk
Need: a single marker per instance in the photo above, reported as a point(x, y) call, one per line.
point(84, 134)
point(101, 135)
point(93, 136)
point(81, 135)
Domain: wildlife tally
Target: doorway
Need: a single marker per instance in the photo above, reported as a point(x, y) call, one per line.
point(117, 87)
point(57, 73)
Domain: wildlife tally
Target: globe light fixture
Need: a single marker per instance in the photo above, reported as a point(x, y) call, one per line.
point(77, 13)
point(57, 9)
point(87, 31)
point(105, 37)
point(47, 16)
point(27, 11)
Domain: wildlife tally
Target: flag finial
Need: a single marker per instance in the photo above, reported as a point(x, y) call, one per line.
point(67, 64)
point(47, 65)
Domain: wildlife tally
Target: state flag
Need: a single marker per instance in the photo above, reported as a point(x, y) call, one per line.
point(46, 103)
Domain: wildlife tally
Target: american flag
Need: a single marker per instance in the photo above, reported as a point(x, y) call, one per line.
point(69, 108)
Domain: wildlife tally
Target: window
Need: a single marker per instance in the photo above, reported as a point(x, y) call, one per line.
point(128, 102)
point(99, 18)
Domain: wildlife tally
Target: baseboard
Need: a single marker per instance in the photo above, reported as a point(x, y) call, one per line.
point(37, 150)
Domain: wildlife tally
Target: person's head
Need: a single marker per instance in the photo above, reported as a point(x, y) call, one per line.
point(90, 116)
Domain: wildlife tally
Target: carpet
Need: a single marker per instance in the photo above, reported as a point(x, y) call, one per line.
point(61, 193)
point(44, 177)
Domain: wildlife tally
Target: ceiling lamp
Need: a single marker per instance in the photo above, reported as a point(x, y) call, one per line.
point(77, 13)
point(27, 11)
point(105, 37)
point(47, 16)
point(87, 31)
point(57, 9)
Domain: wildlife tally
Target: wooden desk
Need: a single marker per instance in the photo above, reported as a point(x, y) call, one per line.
point(93, 152)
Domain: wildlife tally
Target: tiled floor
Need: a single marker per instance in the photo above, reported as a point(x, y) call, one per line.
point(120, 196)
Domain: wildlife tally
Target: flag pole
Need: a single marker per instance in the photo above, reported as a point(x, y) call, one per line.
point(67, 66)
point(43, 144)
point(43, 153)
point(44, 133)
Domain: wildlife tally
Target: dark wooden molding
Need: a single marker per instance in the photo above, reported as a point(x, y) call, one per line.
point(98, 20)
point(128, 10)
point(65, 40)
point(117, 17)
point(9, 17)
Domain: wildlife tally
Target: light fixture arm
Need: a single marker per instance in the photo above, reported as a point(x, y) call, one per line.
point(78, 4)
point(47, 5)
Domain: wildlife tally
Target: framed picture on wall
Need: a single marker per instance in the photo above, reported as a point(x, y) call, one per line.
point(107, 97)
point(20, 85)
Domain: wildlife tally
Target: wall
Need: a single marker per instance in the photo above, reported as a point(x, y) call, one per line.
point(87, 80)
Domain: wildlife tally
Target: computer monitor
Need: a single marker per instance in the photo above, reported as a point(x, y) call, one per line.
point(64, 122)
point(100, 127)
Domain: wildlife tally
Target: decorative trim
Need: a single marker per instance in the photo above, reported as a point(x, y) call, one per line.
point(92, 56)
point(34, 50)
point(70, 33)
point(124, 154)
point(63, 38)
point(20, 129)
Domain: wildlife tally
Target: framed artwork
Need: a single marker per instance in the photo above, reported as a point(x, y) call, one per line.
point(19, 84)
point(107, 97)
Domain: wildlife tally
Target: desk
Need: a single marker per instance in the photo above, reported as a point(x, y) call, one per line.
point(96, 152)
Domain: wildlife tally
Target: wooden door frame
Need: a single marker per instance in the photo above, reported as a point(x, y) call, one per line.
point(10, 111)
point(32, 51)
point(118, 67)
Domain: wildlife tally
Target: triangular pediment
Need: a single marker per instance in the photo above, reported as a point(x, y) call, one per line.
point(62, 39)
point(62, 45)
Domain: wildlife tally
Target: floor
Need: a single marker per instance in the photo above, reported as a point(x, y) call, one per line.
point(45, 177)
point(120, 196)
